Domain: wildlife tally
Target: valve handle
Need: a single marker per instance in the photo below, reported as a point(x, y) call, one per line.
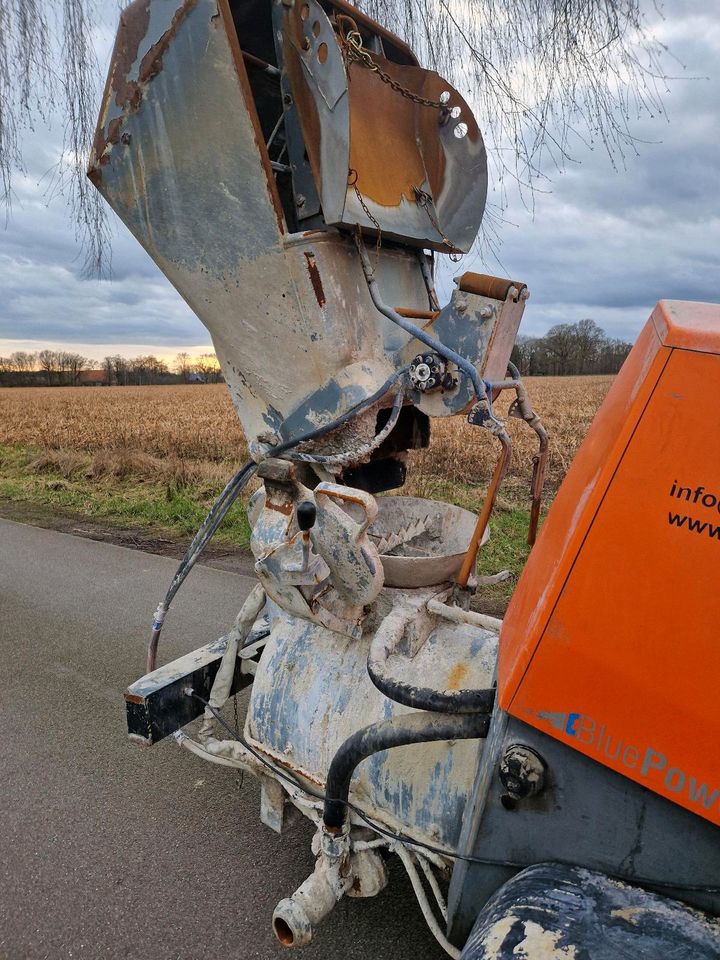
point(306, 513)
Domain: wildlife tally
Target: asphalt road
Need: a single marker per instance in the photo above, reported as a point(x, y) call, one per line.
point(108, 850)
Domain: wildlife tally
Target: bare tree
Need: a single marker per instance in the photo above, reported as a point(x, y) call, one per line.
point(23, 362)
point(108, 366)
point(49, 363)
point(207, 365)
point(570, 348)
point(544, 76)
point(74, 363)
point(48, 68)
point(183, 366)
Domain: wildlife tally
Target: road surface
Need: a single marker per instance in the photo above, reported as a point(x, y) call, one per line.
point(109, 850)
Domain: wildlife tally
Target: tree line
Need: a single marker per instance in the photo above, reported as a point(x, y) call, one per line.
point(63, 368)
point(566, 349)
point(570, 349)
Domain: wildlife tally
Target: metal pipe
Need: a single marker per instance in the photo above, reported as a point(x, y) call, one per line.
point(540, 459)
point(458, 615)
point(486, 512)
point(275, 129)
point(429, 281)
point(295, 918)
point(260, 64)
point(537, 482)
point(395, 732)
point(417, 332)
point(413, 314)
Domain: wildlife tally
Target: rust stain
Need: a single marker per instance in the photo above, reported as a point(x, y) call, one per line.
point(484, 285)
point(315, 278)
point(128, 94)
point(285, 508)
point(458, 673)
point(414, 314)
point(152, 62)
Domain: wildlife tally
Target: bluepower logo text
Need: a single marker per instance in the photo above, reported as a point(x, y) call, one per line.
point(648, 762)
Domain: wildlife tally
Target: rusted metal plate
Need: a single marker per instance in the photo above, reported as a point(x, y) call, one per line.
point(364, 135)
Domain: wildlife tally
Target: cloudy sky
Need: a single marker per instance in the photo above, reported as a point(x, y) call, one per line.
point(604, 243)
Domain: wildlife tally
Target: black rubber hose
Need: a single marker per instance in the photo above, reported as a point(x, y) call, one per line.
point(396, 732)
point(471, 701)
point(465, 702)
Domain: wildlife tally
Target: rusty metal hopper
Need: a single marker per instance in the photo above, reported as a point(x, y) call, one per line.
point(199, 149)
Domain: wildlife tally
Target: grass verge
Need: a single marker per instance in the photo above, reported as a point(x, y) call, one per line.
point(72, 486)
point(170, 498)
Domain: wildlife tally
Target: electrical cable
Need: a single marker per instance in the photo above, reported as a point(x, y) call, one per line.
point(403, 838)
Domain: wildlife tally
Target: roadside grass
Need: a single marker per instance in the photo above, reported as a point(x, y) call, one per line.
point(73, 485)
point(169, 498)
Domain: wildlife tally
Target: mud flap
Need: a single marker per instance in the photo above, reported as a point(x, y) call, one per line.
point(556, 912)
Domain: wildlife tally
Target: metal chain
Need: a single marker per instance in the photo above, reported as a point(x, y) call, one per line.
point(353, 45)
point(352, 182)
point(424, 200)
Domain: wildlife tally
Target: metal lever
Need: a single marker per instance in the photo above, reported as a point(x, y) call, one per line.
point(306, 515)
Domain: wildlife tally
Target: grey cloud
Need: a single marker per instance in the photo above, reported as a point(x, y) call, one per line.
point(604, 244)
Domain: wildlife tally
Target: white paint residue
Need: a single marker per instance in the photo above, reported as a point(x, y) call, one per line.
point(629, 913)
point(541, 944)
point(495, 937)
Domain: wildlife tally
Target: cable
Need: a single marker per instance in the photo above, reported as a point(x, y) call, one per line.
point(480, 386)
point(403, 838)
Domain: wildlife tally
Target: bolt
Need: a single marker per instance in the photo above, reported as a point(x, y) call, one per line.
point(487, 312)
point(524, 294)
point(300, 200)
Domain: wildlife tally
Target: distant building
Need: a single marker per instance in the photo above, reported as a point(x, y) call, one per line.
point(92, 378)
point(195, 377)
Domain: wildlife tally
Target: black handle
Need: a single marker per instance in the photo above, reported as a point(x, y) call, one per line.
point(306, 513)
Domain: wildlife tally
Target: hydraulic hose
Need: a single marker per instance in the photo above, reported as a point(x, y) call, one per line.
point(395, 732)
point(417, 332)
point(464, 702)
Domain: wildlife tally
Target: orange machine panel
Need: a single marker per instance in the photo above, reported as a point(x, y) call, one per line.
point(612, 641)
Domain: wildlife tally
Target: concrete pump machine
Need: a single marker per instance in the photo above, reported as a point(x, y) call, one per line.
point(551, 781)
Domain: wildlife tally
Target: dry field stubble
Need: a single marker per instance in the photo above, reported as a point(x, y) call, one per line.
point(190, 434)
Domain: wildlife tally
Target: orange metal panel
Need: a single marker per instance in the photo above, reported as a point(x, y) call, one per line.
point(612, 644)
point(575, 504)
point(689, 326)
